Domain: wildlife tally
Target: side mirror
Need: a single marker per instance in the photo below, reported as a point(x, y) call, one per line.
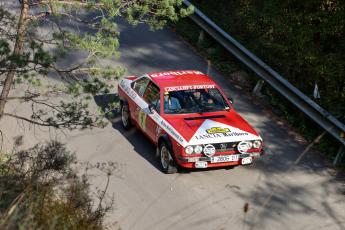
point(231, 100)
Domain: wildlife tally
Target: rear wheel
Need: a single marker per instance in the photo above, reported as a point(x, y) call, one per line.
point(125, 116)
point(166, 161)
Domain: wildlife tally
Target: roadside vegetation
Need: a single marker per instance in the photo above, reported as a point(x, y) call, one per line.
point(55, 52)
point(302, 40)
point(59, 47)
point(40, 188)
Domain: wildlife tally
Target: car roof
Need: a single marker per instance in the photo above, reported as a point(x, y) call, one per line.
point(180, 78)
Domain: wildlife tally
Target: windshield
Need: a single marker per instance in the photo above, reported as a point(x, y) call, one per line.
point(194, 101)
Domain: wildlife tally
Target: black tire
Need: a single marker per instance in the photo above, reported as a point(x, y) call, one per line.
point(125, 116)
point(166, 161)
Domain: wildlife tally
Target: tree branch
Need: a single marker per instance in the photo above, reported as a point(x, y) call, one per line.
point(39, 16)
point(27, 119)
point(57, 125)
point(26, 98)
point(52, 106)
point(2, 140)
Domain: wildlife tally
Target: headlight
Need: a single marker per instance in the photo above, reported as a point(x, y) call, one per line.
point(198, 149)
point(189, 149)
point(244, 146)
point(256, 144)
point(250, 144)
point(209, 150)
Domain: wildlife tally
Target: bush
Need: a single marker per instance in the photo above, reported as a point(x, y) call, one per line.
point(39, 187)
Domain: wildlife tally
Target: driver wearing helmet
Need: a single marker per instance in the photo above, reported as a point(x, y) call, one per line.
point(170, 103)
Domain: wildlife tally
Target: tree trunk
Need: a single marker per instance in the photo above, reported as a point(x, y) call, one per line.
point(21, 30)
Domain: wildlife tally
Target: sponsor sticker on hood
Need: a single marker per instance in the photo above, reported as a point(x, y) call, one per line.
point(215, 132)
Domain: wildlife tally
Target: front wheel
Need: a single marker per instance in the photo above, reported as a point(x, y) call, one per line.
point(125, 116)
point(167, 163)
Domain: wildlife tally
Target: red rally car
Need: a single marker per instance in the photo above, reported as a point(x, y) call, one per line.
point(186, 115)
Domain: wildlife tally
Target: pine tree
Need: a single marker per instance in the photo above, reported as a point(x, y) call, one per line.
point(29, 56)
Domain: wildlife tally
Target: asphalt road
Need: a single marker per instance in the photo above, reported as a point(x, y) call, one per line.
point(288, 188)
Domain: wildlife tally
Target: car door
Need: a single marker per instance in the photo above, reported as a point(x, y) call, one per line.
point(139, 86)
point(151, 97)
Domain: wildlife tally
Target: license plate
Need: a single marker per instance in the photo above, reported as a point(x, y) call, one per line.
point(227, 158)
point(246, 160)
point(200, 164)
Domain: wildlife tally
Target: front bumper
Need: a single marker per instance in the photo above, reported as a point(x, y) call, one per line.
point(190, 162)
point(208, 159)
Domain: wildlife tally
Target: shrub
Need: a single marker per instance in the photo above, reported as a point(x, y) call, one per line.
point(39, 188)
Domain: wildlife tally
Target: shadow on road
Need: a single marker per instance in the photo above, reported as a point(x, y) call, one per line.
point(140, 143)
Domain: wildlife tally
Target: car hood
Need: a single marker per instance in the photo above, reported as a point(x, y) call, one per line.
point(212, 127)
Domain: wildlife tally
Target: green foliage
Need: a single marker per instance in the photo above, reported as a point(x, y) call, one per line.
point(242, 22)
point(42, 57)
point(41, 54)
point(156, 13)
point(40, 187)
point(4, 47)
point(303, 40)
point(70, 115)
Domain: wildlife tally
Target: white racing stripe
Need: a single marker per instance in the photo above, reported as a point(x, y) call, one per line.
point(211, 132)
point(125, 84)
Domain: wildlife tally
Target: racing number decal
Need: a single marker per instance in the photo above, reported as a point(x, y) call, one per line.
point(142, 119)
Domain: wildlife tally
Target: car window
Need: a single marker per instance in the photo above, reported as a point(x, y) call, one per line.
point(140, 85)
point(152, 95)
point(194, 101)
